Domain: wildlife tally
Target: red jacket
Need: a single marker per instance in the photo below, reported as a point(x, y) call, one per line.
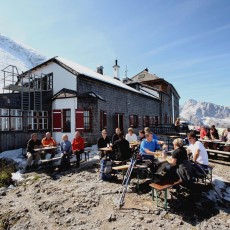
point(78, 144)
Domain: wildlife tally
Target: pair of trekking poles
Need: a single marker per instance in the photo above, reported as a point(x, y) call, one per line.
point(119, 202)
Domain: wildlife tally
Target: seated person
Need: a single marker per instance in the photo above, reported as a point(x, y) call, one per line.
point(180, 163)
point(102, 142)
point(65, 145)
point(148, 130)
point(227, 145)
point(199, 153)
point(214, 136)
point(49, 141)
point(115, 135)
point(177, 125)
point(31, 154)
point(78, 146)
point(121, 148)
point(203, 132)
point(148, 148)
point(131, 136)
point(141, 135)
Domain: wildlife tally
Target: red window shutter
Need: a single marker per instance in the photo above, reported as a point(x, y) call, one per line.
point(79, 120)
point(57, 114)
point(131, 120)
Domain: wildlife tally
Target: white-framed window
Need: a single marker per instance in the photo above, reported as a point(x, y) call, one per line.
point(4, 119)
point(37, 120)
point(15, 119)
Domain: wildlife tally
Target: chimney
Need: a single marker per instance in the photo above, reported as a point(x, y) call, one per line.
point(116, 70)
point(100, 69)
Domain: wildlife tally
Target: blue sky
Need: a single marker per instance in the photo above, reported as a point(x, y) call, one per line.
point(187, 42)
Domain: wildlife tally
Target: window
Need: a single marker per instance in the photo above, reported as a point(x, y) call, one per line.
point(151, 121)
point(119, 121)
point(83, 120)
point(4, 119)
point(165, 118)
point(133, 121)
point(47, 81)
point(139, 121)
point(156, 120)
point(37, 120)
point(146, 121)
point(66, 120)
point(87, 120)
point(103, 120)
point(141, 76)
point(15, 119)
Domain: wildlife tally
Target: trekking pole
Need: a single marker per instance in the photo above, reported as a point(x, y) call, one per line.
point(120, 202)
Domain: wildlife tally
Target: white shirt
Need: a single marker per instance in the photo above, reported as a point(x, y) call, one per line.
point(228, 137)
point(203, 155)
point(130, 138)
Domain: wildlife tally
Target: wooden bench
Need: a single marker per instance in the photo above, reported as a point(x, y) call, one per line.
point(86, 153)
point(50, 160)
point(163, 186)
point(120, 167)
point(218, 152)
point(208, 174)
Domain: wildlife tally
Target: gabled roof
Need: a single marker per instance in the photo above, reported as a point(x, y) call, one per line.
point(78, 69)
point(144, 76)
point(92, 94)
point(65, 93)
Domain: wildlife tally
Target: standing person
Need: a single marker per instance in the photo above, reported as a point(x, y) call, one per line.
point(65, 145)
point(116, 135)
point(177, 125)
point(121, 148)
point(102, 142)
point(48, 140)
point(33, 155)
point(199, 153)
point(131, 136)
point(78, 146)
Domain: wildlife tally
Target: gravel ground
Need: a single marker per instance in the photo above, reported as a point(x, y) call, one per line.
point(78, 200)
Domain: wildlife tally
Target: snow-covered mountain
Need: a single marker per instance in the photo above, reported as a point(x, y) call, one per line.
point(204, 113)
point(17, 54)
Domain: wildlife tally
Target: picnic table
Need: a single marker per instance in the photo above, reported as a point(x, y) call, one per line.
point(44, 148)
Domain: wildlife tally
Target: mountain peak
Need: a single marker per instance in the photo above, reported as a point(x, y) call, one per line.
point(17, 54)
point(205, 113)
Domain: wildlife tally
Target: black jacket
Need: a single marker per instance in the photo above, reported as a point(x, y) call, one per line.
point(101, 143)
point(31, 145)
point(121, 149)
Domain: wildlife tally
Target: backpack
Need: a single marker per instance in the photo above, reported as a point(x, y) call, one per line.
point(105, 169)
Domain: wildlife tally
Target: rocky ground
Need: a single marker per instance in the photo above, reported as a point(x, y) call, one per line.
point(76, 199)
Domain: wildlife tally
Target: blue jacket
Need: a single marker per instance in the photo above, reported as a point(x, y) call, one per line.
point(152, 146)
point(66, 146)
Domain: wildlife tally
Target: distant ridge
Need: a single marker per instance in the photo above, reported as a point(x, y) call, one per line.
point(17, 54)
point(205, 113)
